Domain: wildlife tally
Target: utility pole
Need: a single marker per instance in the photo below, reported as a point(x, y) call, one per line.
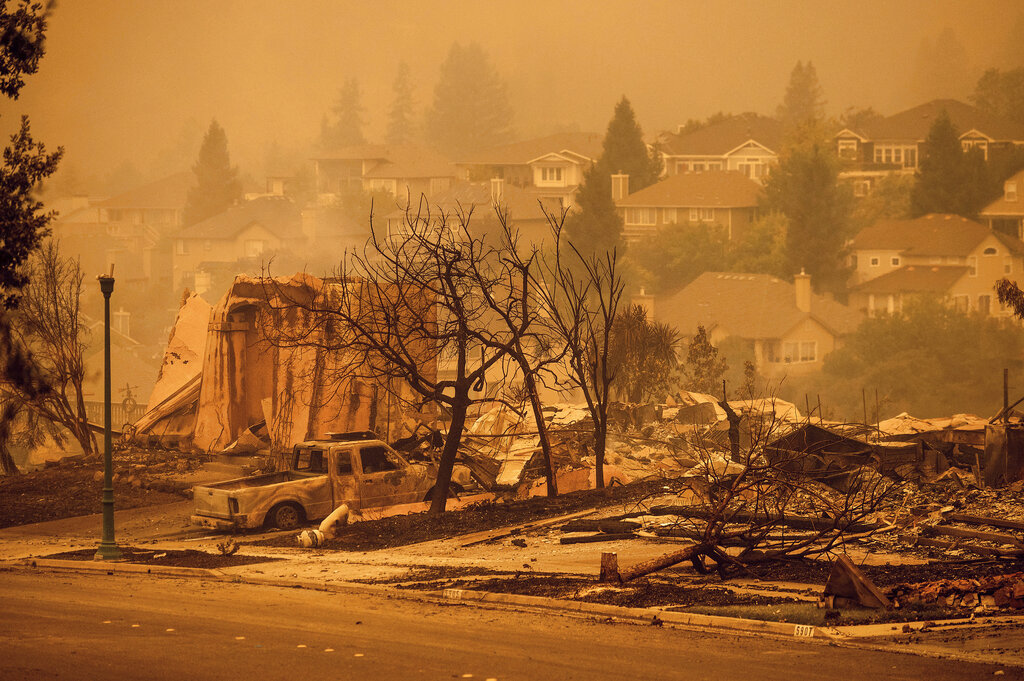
point(108, 549)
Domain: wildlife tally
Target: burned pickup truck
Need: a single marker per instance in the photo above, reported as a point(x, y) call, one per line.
point(350, 468)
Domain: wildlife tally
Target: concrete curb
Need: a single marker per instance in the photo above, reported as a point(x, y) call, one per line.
point(111, 567)
point(848, 634)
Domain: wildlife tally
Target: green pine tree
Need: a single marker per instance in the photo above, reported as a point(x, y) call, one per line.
point(948, 180)
point(594, 226)
point(346, 128)
point(624, 150)
point(217, 186)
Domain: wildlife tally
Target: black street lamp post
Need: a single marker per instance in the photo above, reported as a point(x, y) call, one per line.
point(108, 549)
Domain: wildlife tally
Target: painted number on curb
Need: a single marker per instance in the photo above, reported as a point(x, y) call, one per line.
point(803, 630)
point(453, 594)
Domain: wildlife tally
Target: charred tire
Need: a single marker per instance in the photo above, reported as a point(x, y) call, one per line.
point(286, 516)
point(454, 489)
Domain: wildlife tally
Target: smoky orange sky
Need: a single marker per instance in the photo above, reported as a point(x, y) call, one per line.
point(129, 80)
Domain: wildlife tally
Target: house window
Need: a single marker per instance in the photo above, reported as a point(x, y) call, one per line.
point(640, 216)
point(694, 214)
point(681, 167)
point(799, 351)
point(910, 157)
point(180, 247)
point(972, 265)
point(668, 215)
point(848, 149)
point(962, 304)
point(551, 174)
point(1010, 191)
point(717, 165)
point(985, 304)
point(990, 251)
point(861, 187)
point(697, 167)
point(895, 260)
point(254, 247)
point(875, 262)
point(1008, 265)
point(707, 214)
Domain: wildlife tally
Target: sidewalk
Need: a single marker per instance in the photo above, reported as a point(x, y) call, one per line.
point(992, 639)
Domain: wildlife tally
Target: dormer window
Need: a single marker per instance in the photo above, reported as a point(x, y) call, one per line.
point(1010, 191)
point(551, 174)
point(990, 251)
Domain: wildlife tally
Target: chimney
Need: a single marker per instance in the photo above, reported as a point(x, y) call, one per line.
point(646, 301)
point(802, 284)
point(497, 189)
point(120, 321)
point(620, 187)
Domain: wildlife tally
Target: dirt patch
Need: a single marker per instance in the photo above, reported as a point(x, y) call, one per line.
point(370, 535)
point(175, 558)
point(885, 576)
point(68, 491)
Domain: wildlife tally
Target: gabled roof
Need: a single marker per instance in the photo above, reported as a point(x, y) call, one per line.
point(276, 214)
point(713, 188)
point(749, 306)
point(1003, 207)
point(720, 138)
point(168, 192)
point(585, 144)
point(914, 124)
point(938, 234)
point(915, 279)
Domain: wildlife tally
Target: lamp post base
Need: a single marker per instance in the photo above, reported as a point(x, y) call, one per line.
point(108, 551)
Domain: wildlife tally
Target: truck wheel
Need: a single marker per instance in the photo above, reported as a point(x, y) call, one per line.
point(285, 516)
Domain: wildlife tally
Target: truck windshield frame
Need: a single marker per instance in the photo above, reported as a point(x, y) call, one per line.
point(309, 460)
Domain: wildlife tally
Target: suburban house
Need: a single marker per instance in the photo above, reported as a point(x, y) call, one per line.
point(550, 167)
point(943, 255)
point(519, 203)
point(748, 143)
point(402, 170)
point(790, 328)
point(1006, 214)
point(715, 197)
point(243, 232)
point(129, 231)
point(893, 144)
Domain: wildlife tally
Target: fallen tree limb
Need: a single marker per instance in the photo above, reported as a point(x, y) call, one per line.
point(985, 520)
point(602, 536)
point(743, 517)
point(995, 537)
point(967, 548)
point(611, 574)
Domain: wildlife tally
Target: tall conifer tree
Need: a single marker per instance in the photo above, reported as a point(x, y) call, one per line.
point(217, 186)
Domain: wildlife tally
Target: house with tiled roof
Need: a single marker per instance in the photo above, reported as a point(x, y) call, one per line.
point(243, 232)
point(727, 199)
point(402, 170)
point(790, 328)
point(1006, 214)
point(893, 144)
point(944, 255)
point(748, 144)
point(129, 231)
point(551, 167)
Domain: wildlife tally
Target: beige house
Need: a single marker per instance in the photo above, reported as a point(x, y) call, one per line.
point(1006, 214)
point(398, 169)
point(747, 144)
point(727, 199)
point(550, 168)
point(790, 328)
point(244, 232)
point(893, 144)
point(937, 254)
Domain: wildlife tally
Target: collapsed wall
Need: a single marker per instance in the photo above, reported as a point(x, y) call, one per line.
point(267, 358)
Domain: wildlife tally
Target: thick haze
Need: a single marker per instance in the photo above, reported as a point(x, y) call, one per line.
point(139, 81)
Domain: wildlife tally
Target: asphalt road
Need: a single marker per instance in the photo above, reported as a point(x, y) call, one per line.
point(77, 626)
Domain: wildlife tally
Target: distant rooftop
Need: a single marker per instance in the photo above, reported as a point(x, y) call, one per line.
point(713, 188)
